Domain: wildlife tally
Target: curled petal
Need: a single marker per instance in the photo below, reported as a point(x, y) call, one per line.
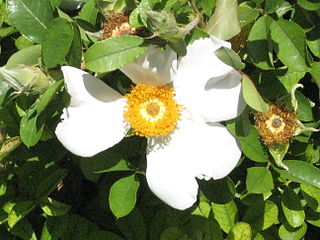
point(155, 67)
point(193, 150)
point(214, 101)
point(94, 120)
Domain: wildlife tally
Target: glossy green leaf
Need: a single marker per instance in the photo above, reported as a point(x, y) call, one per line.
point(48, 184)
point(115, 52)
point(291, 207)
point(57, 41)
point(252, 96)
point(240, 231)
point(290, 40)
point(224, 23)
point(286, 232)
point(123, 194)
point(30, 17)
point(53, 207)
point(312, 195)
point(259, 45)
point(272, 5)
point(229, 57)
point(225, 214)
point(259, 180)
point(301, 172)
point(19, 211)
point(261, 215)
point(89, 12)
point(315, 72)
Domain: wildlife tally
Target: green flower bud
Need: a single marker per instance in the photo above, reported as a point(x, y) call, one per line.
point(26, 79)
point(164, 25)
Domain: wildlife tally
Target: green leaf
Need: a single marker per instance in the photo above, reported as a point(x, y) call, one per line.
point(101, 235)
point(53, 207)
point(310, 5)
point(252, 96)
point(259, 180)
point(30, 129)
point(200, 226)
point(23, 229)
point(262, 215)
point(313, 40)
point(30, 17)
point(173, 233)
point(304, 111)
point(9, 146)
point(240, 231)
point(89, 12)
point(75, 52)
point(132, 226)
point(301, 172)
point(251, 147)
point(312, 195)
point(290, 41)
point(286, 232)
point(57, 41)
point(123, 193)
point(315, 72)
point(291, 207)
point(247, 14)
point(47, 96)
point(225, 214)
point(28, 56)
point(54, 228)
point(259, 45)
point(47, 185)
point(225, 186)
point(19, 211)
point(229, 57)
point(113, 53)
point(224, 23)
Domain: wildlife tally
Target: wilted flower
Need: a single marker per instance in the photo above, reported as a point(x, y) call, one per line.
point(277, 126)
point(177, 106)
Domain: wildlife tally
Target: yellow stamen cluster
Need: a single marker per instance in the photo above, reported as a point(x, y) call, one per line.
point(277, 126)
point(152, 111)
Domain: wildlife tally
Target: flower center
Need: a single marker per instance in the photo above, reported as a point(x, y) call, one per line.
point(152, 111)
point(275, 123)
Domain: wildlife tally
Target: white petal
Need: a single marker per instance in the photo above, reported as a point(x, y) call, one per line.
point(155, 67)
point(213, 102)
point(94, 120)
point(85, 88)
point(201, 64)
point(194, 150)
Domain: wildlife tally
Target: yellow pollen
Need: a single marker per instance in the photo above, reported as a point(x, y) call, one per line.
point(152, 111)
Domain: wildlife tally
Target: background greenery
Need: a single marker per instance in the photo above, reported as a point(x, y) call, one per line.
point(47, 193)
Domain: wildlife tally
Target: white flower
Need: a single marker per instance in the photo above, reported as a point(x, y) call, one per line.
point(185, 141)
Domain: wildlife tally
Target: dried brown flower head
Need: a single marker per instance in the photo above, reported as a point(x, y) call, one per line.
point(277, 126)
point(117, 25)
